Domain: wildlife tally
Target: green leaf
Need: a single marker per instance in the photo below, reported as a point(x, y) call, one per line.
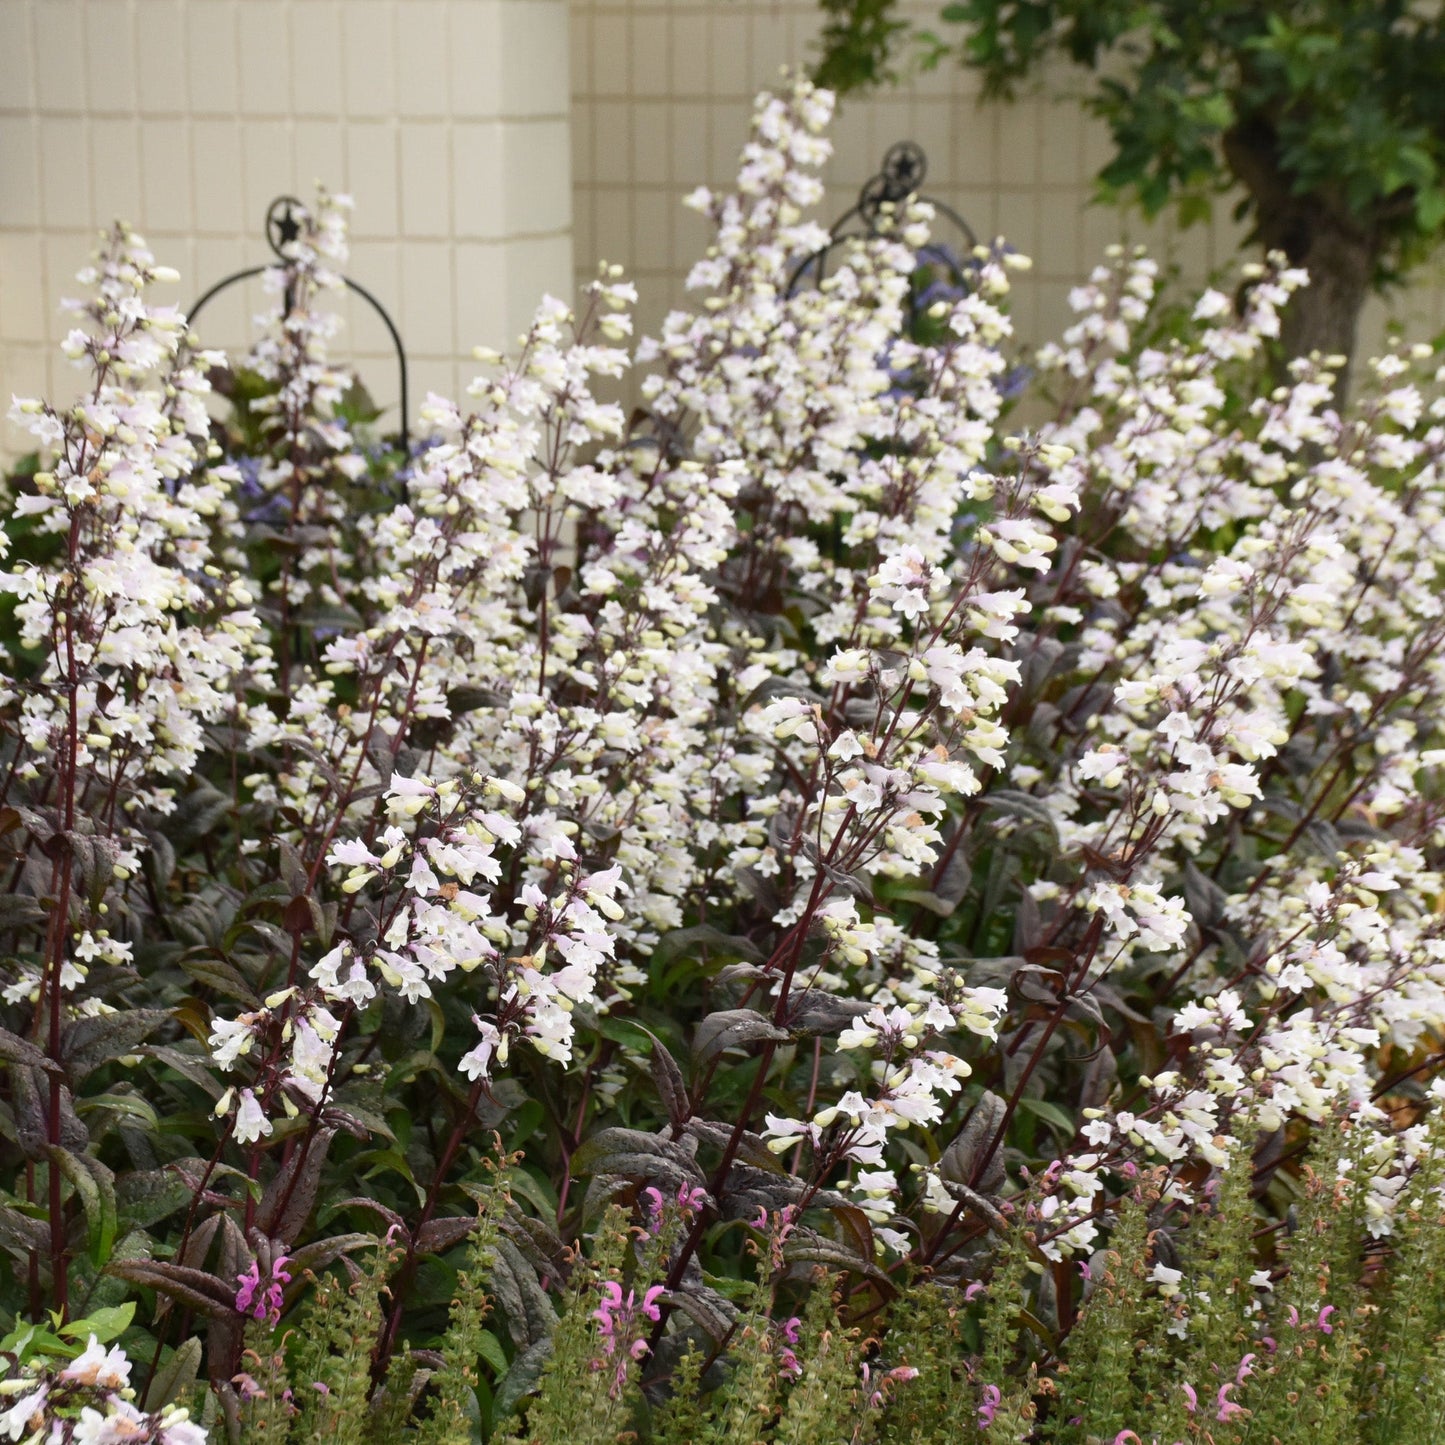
point(147, 1196)
point(1023, 806)
point(131, 1105)
point(1050, 1113)
point(94, 1185)
point(733, 1028)
point(175, 1376)
point(704, 935)
point(925, 898)
point(522, 1378)
point(1430, 209)
point(97, 1039)
point(15, 1050)
point(490, 1348)
point(105, 1324)
point(1194, 209)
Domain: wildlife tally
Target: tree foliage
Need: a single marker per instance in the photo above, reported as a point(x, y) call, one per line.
point(1327, 113)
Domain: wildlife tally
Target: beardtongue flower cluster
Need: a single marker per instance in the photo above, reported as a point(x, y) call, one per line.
point(90, 1398)
point(948, 827)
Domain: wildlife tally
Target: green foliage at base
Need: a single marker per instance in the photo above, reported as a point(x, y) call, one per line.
point(1313, 1331)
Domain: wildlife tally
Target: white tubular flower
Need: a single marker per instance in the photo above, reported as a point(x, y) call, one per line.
point(251, 1120)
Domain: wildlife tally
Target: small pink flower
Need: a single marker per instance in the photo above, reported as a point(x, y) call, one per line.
point(603, 1314)
point(689, 1200)
point(1191, 1398)
point(263, 1304)
point(992, 1399)
point(616, 1316)
point(1227, 1407)
point(250, 1282)
point(973, 1291)
point(248, 1387)
point(1246, 1369)
point(897, 1375)
point(1324, 1320)
point(1084, 1269)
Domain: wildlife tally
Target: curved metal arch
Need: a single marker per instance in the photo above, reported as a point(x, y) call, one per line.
point(282, 227)
point(901, 175)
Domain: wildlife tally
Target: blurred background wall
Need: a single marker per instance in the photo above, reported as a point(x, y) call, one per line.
point(495, 149)
point(446, 120)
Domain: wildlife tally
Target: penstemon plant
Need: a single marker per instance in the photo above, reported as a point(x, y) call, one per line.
point(796, 915)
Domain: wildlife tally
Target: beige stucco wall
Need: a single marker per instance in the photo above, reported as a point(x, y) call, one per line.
point(447, 121)
point(662, 91)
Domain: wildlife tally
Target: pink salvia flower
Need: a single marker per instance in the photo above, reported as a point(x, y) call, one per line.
point(1227, 1407)
point(896, 1375)
point(611, 1301)
point(1246, 1369)
point(249, 1283)
point(615, 1316)
point(992, 1399)
point(1191, 1398)
point(263, 1304)
point(1324, 1320)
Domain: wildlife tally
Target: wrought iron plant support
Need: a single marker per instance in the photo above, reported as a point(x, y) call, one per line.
point(900, 176)
point(282, 227)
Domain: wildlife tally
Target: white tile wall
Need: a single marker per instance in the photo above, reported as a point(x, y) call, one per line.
point(447, 121)
point(490, 145)
point(662, 93)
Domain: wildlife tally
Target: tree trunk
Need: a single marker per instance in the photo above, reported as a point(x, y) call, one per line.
point(1339, 250)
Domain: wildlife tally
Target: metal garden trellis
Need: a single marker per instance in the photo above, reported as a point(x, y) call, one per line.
point(283, 227)
point(904, 168)
point(901, 175)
